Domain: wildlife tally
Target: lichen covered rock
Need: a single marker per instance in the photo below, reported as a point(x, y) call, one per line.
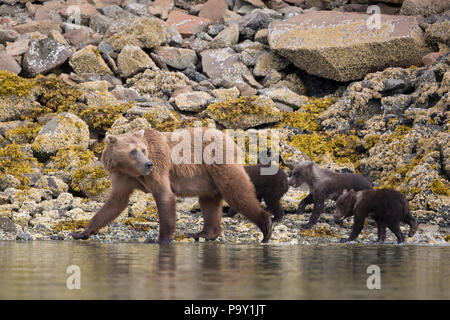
point(61, 131)
point(340, 46)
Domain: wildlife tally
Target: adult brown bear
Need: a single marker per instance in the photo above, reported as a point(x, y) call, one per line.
point(203, 163)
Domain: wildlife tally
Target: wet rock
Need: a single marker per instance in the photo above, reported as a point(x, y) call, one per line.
point(7, 62)
point(186, 24)
point(226, 38)
point(61, 131)
point(424, 7)
point(194, 101)
point(363, 51)
point(133, 60)
point(89, 60)
point(177, 58)
point(44, 56)
point(24, 236)
point(143, 32)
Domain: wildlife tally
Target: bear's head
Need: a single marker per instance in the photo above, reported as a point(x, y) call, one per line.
point(301, 174)
point(127, 153)
point(345, 204)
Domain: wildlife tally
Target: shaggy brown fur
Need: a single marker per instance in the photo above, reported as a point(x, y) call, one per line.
point(323, 184)
point(270, 187)
point(386, 206)
point(127, 158)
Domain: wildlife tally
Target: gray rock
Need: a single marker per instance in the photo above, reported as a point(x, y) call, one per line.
point(194, 101)
point(25, 236)
point(7, 225)
point(133, 60)
point(44, 56)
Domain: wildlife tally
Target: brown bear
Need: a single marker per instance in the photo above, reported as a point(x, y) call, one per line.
point(323, 184)
point(170, 164)
point(270, 187)
point(387, 207)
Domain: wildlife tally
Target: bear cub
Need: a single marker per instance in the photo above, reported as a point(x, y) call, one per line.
point(269, 187)
point(323, 184)
point(387, 207)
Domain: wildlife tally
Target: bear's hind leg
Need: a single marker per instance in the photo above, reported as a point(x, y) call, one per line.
point(395, 228)
point(211, 212)
point(274, 206)
point(381, 226)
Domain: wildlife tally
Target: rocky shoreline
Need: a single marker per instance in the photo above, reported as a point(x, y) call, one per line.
point(348, 97)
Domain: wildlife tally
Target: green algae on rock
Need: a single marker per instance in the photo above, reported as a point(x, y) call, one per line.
point(244, 112)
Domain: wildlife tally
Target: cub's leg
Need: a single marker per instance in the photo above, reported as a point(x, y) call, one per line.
point(395, 228)
point(274, 206)
point(356, 229)
point(319, 204)
point(305, 201)
point(211, 212)
point(122, 187)
point(412, 222)
point(231, 212)
point(381, 226)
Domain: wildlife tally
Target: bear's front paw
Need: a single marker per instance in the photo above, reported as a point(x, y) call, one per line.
point(80, 235)
point(307, 225)
point(344, 240)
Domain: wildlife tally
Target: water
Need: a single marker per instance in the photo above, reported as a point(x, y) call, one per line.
point(37, 270)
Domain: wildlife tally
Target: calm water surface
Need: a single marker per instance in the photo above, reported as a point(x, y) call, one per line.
point(37, 270)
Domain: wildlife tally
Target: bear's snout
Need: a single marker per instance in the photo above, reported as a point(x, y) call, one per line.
point(292, 182)
point(148, 167)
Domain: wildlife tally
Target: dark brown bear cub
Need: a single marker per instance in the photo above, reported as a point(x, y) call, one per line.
point(323, 184)
point(386, 206)
point(269, 187)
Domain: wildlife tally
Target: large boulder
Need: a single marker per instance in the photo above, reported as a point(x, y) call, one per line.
point(340, 46)
point(44, 55)
point(143, 32)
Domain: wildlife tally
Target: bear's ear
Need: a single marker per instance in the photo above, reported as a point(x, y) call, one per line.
point(139, 134)
point(111, 139)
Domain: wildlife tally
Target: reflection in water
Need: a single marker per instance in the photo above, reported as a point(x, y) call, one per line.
point(221, 271)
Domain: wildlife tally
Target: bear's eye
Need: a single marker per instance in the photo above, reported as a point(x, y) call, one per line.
point(133, 152)
point(143, 150)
